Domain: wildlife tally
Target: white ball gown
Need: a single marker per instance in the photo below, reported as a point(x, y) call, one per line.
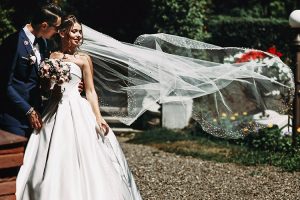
point(67, 159)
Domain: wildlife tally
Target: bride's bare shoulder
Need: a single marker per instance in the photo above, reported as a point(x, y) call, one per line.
point(84, 56)
point(56, 55)
point(87, 58)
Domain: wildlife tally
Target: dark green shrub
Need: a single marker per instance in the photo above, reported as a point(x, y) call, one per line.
point(259, 33)
point(6, 26)
point(270, 139)
point(254, 8)
point(184, 18)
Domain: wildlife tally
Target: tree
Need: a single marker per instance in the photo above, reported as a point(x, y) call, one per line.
point(254, 8)
point(6, 26)
point(184, 17)
point(123, 20)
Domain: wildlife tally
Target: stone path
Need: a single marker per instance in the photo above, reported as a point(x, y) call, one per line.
point(160, 175)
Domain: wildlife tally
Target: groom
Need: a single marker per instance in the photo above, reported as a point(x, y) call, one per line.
point(20, 55)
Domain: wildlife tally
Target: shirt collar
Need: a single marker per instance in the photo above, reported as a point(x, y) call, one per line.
point(30, 36)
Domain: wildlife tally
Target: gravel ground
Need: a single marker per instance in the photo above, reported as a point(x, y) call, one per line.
point(161, 175)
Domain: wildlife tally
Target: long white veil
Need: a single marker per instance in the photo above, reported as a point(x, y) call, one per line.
point(227, 85)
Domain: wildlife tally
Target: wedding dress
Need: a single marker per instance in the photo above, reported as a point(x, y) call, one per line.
point(68, 159)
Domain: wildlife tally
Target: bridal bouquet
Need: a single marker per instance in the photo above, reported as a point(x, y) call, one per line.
point(55, 70)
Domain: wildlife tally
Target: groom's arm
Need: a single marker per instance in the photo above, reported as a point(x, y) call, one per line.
point(9, 49)
point(17, 100)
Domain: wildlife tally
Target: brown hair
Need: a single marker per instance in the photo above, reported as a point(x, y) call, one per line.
point(67, 22)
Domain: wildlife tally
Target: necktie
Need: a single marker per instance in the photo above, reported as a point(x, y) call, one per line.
point(35, 41)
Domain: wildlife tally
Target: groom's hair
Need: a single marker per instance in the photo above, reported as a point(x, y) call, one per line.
point(48, 13)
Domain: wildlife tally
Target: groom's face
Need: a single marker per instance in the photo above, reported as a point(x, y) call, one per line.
point(50, 29)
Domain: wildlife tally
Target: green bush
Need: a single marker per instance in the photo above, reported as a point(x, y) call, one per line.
point(184, 18)
point(254, 8)
point(259, 33)
point(6, 26)
point(269, 139)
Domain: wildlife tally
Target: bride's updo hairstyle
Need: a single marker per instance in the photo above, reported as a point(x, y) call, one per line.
point(67, 22)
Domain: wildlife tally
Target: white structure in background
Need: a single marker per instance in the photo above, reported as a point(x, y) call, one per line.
point(273, 118)
point(176, 113)
point(294, 19)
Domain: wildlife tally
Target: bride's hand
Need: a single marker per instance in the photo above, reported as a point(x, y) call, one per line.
point(103, 126)
point(81, 87)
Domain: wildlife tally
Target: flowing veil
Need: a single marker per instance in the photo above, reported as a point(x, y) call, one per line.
point(227, 85)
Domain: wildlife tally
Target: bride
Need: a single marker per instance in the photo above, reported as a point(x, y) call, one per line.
point(75, 155)
point(70, 158)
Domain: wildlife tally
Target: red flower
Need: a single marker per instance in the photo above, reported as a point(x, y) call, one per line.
point(251, 55)
point(273, 50)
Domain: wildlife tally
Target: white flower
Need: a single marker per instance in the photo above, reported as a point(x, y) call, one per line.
point(280, 65)
point(268, 66)
point(238, 55)
point(268, 62)
point(281, 77)
point(285, 70)
point(229, 59)
point(32, 59)
point(275, 92)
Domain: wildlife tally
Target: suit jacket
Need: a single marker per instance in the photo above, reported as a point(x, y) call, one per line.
point(19, 82)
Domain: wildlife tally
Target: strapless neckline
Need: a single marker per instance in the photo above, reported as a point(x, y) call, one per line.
point(72, 63)
point(74, 68)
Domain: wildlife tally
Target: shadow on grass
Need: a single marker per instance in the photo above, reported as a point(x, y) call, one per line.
point(210, 148)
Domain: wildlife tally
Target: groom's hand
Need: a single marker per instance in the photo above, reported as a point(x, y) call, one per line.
point(35, 120)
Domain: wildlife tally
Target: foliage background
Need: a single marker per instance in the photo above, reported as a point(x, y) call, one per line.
point(197, 19)
point(6, 25)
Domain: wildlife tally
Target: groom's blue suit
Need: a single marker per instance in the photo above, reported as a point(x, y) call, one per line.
point(19, 83)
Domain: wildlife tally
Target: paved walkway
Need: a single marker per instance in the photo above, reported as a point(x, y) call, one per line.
point(160, 175)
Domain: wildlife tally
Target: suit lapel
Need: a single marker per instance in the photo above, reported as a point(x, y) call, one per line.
point(26, 42)
point(28, 47)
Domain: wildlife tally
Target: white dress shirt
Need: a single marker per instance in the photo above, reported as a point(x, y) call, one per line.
point(35, 48)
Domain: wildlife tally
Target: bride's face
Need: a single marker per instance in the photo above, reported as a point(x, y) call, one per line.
point(75, 35)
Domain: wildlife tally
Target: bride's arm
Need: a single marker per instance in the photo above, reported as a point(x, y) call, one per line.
point(91, 94)
point(81, 84)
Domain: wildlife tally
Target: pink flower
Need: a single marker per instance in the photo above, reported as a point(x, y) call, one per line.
point(55, 70)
